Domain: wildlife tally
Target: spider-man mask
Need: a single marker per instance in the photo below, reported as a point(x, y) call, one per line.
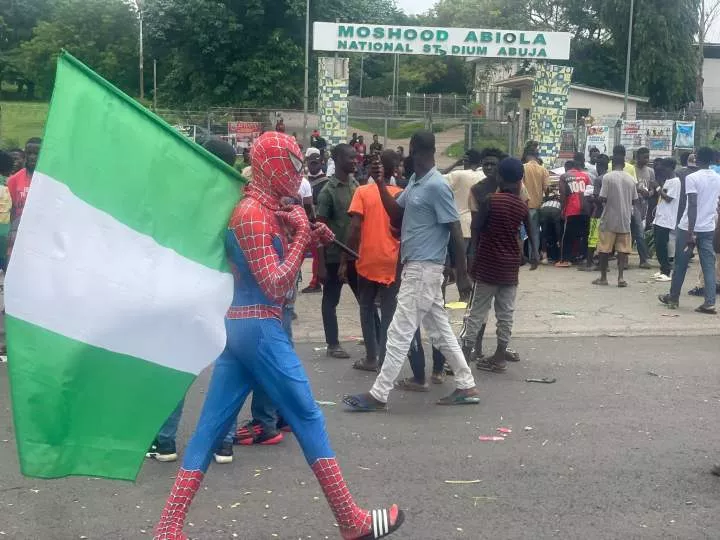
point(276, 165)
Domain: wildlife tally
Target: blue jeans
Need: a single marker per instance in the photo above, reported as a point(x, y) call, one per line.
point(682, 260)
point(168, 432)
point(534, 232)
point(638, 235)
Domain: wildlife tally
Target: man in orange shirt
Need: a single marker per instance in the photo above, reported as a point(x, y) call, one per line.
point(19, 185)
point(371, 237)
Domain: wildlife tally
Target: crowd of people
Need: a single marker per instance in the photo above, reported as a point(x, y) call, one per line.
point(398, 231)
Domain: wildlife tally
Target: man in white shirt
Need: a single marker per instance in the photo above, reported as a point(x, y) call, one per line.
point(461, 181)
point(696, 228)
point(666, 214)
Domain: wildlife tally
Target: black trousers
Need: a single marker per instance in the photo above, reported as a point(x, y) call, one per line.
point(374, 334)
point(417, 359)
point(662, 239)
point(551, 226)
point(576, 231)
point(331, 298)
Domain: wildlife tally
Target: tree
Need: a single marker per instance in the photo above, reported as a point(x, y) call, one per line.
point(663, 48)
point(102, 33)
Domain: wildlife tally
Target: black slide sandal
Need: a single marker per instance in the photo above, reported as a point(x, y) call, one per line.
point(381, 524)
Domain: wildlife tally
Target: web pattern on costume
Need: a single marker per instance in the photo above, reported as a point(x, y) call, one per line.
point(173, 515)
point(350, 517)
point(277, 171)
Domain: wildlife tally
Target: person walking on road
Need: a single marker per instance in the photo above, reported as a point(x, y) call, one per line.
point(618, 196)
point(426, 214)
point(697, 228)
point(537, 182)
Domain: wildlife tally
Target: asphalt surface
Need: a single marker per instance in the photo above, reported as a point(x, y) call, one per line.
point(620, 447)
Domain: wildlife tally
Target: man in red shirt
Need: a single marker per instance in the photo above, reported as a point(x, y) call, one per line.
point(497, 261)
point(361, 154)
point(572, 192)
point(19, 186)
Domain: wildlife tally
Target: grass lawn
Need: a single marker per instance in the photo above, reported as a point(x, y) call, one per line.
point(396, 129)
point(457, 149)
point(20, 120)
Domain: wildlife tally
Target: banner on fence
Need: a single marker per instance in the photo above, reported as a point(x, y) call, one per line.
point(244, 133)
point(658, 137)
point(631, 135)
point(598, 137)
point(685, 135)
point(549, 104)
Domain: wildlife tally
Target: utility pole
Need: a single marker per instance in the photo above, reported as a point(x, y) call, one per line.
point(155, 85)
point(362, 71)
point(306, 92)
point(627, 63)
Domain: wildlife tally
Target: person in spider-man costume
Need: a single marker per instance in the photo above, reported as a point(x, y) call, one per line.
point(258, 351)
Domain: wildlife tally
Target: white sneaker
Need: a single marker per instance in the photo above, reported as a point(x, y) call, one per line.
point(657, 274)
point(662, 278)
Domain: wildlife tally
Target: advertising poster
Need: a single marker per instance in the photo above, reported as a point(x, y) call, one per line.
point(244, 133)
point(549, 104)
point(598, 137)
point(658, 137)
point(685, 135)
point(632, 135)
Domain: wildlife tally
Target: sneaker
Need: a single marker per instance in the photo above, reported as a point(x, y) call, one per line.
point(254, 433)
point(662, 278)
point(310, 290)
point(657, 274)
point(282, 425)
point(697, 291)
point(224, 454)
point(668, 301)
point(162, 453)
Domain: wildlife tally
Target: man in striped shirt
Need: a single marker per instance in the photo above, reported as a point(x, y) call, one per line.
point(497, 262)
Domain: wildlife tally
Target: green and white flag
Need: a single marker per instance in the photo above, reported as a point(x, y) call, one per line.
point(118, 283)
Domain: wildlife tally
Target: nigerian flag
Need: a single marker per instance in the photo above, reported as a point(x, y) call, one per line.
point(118, 282)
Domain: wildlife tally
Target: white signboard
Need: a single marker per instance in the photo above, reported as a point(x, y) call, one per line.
point(441, 41)
point(598, 137)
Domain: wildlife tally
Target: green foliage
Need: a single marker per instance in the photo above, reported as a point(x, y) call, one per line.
point(21, 120)
point(250, 53)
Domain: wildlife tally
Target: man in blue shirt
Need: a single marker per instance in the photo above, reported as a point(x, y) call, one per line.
point(427, 217)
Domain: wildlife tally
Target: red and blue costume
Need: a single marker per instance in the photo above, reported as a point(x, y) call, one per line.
point(258, 352)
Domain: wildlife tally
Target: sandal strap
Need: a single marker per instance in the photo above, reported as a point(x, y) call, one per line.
point(380, 523)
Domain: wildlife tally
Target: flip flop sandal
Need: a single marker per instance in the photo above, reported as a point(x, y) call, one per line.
point(360, 403)
point(381, 526)
point(438, 378)
point(599, 281)
point(459, 399)
point(486, 365)
point(337, 352)
point(622, 284)
point(361, 365)
point(511, 355)
point(410, 385)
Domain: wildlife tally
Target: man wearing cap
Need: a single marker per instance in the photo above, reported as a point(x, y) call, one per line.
point(316, 179)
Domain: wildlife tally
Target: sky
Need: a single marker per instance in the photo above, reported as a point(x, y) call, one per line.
point(413, 7)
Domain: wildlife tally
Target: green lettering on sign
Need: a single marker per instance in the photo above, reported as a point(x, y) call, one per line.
point(542, 53)
point(485, 37)
point(471, 37)
point(342, 44)
point(539, 40)
point(346, 31)
point(442, 35)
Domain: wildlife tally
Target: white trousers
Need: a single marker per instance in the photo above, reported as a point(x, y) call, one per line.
point(420, 301)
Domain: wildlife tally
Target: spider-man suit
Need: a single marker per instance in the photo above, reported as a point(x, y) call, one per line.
point(258, 351)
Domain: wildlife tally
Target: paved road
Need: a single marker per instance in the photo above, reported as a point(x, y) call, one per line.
point(557, 301)
point(614, 452)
